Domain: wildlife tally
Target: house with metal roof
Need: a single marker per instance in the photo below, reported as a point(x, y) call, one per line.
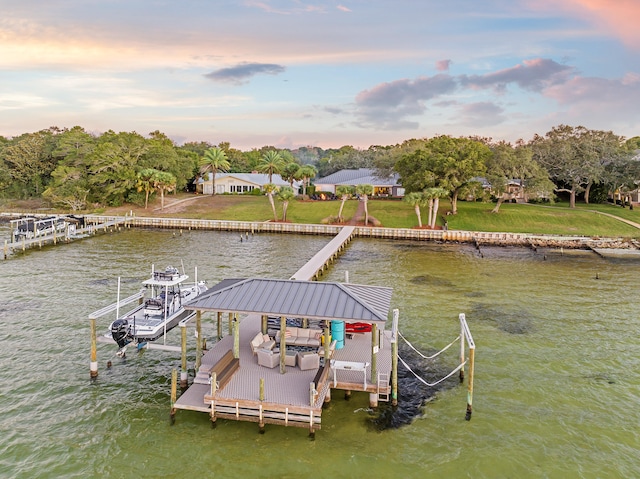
point(238, 182)
point(389, 186)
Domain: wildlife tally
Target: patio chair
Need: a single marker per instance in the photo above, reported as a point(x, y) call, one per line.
point(308, 361)
point(267, 358)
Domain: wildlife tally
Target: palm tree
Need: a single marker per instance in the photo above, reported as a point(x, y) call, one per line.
point(145, 183)
point(345, 192)
point(291, 172)
point(285, 194)
point(164, 181)
point(364, 191)
point(271, 162)
point(269, 189)
point(417, 200)
point(307, 172)
point(217, 159)
point(433, 195)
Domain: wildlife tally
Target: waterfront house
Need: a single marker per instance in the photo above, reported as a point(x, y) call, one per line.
point(389, 186)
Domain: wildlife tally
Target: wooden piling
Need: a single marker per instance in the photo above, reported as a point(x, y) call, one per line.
point(174, 393)
point(214, 388)
point(198, 340)
point(219, 324)
point(236, 338)
point(93, 367)
point(472, 353)
point(283, 343)
point(374, 353)
point(394, 358)
point(462, 355)
point(183, 349)
point(6, 249)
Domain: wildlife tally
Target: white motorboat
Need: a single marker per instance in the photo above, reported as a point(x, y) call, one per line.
point(158, 313)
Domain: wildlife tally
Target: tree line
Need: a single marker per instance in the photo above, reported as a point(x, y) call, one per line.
point(75, 169)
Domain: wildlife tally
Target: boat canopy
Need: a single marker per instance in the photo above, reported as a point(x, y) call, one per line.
point(303, 299)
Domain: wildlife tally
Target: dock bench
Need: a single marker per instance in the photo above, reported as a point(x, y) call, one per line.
point(224, 369)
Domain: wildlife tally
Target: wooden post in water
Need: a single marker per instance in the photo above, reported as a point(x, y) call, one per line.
point(219, 325)
point(236, 337)
point(93, 366)
point(214, 388)
point(198, 340)
point(261, 417)
point(283, 343)
point(461, 317)
point(472, 353)
point(183, 349)
point(174, 393)
point(394, 359)
point(6, 249)
point(230, 322)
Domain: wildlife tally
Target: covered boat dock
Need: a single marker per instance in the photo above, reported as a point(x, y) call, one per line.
point(234, 382)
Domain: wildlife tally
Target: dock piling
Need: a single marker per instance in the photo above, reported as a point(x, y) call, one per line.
point(174, 394)
point(183, 343)
point(93, 367)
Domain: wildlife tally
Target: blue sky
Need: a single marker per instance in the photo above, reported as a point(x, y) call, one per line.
point(292, 73)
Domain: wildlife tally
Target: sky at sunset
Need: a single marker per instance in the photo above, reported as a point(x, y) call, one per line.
point(292, 73)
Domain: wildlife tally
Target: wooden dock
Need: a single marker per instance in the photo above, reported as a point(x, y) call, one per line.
point(286, 398)
point(316, 265)
point(69, 234)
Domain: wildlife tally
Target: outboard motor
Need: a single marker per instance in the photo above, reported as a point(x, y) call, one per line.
point(120, 332)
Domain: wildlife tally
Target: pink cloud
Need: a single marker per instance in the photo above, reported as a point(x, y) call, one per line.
point(618, 18)
point(443, 65)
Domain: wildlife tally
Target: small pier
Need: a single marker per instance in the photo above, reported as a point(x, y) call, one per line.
point(32, 231)
point(316, 265)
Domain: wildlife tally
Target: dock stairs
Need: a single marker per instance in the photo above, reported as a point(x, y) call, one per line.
point(383, 387)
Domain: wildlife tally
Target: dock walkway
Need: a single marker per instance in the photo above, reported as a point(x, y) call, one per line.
point(313, 267)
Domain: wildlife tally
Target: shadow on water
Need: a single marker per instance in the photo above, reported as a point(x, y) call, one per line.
point(518, 321)
point(431, 280)
point(413, 394)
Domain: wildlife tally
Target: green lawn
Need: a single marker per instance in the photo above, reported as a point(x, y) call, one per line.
point(556, 219)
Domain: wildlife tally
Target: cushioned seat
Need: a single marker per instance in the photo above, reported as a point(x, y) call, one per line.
point(308, 361)
point(267, 358)
point(261, 341)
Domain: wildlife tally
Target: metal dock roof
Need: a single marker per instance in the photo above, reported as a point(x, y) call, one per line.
point(303, 299)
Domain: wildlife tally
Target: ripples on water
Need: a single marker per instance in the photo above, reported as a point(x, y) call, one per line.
point(556, 385)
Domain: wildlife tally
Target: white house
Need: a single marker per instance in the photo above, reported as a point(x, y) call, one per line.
point(239, 182)
point(361, 176)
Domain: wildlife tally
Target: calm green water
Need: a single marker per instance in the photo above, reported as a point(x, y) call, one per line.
point(556, 391)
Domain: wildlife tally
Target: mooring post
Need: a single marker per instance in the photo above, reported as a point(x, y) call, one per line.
point(461, 317)
point(230, 322)
point(93, 366)
point(183, 349)
point(6, 249)
point(472, 353)
point(214, 388)
point(174, 394)
point(264, 324)
point(219, 325)
point(198, 340)
point(394, 358)
point(261, 417)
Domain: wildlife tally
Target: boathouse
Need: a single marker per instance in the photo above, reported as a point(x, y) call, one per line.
point(334, 338)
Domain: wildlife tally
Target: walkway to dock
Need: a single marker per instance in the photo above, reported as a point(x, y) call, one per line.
point(322, 258)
